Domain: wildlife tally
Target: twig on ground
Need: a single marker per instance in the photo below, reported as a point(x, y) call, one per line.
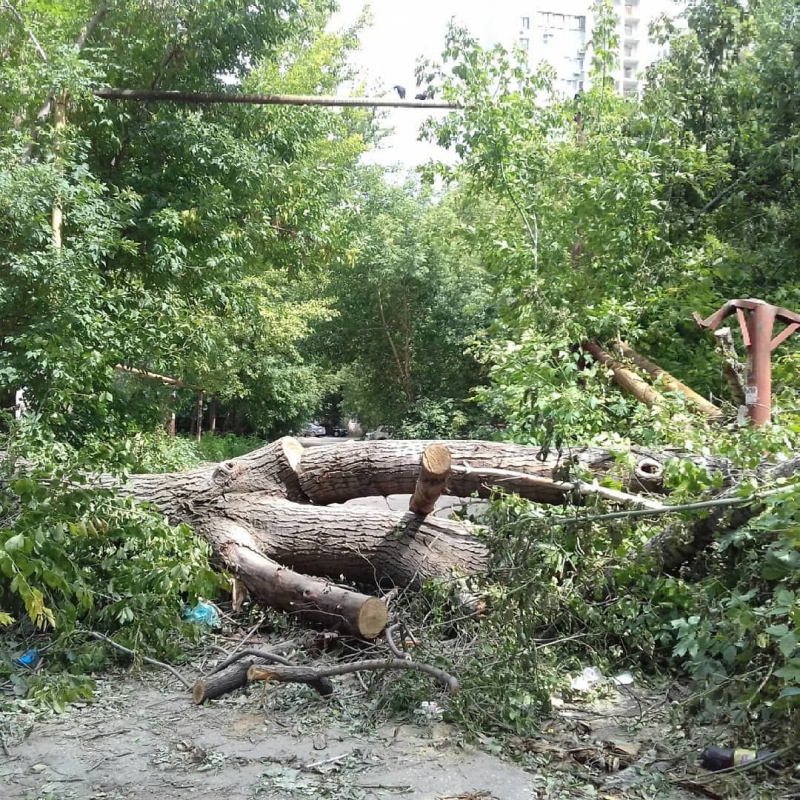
point(389, 635)
point(134, 654)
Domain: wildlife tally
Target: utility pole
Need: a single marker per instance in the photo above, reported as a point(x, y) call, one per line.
point(756, 319)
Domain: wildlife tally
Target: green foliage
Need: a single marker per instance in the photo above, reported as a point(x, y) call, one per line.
point(221, 448)
point(75, 557)
point(407, 305)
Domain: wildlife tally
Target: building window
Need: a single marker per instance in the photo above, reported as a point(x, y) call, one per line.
point(630, 28)
point(630, 50)
point(629, 10)
point(628, 72)
point(526, 23)
point(524, 42)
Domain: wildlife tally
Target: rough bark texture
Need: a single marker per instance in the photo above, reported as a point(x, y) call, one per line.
point(308, 598)
point(362, 545)
point(280, 506)
point(433, 475)
point(680, 542)
point(337, 473)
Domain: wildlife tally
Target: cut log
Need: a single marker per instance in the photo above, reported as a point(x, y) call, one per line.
point(337, 473)
point(434, 472)
point(627, 380)
point(670, 382)
point(308, 598)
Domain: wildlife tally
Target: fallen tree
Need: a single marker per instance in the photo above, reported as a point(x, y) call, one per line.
point(275, 516)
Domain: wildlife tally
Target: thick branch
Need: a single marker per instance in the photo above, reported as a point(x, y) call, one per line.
point(670, 382)
point(21, 20)
point(179, 384)
point(625, 378)
point(681, 542)
point(307, 598)
point(336, 473)
point(308, 674)
point(734, 371)
point(47, 106)
point(363, 545)
point(434, 472)
point(231, 674)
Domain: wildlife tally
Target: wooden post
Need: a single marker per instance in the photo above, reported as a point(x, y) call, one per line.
point(434, 472)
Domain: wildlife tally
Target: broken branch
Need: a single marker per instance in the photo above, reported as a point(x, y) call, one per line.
point(581, 487)
point(308, 674)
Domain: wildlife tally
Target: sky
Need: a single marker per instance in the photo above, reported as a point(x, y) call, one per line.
point(401, 32)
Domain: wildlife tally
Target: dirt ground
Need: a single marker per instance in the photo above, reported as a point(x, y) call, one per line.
point(140, 740)
point(142, 737)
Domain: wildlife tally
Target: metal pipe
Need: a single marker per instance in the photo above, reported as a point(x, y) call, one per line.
point(208, 98)
point(758, 394)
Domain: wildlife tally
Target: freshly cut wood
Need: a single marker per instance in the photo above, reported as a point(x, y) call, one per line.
point(670, 382)
point(308, 674)
point(308, 598)
point(625, 378)
point(434, 472)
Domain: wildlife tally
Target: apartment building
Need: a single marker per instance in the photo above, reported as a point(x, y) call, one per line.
point(559, 32)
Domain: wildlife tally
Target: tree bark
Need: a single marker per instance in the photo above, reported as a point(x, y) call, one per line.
point(336, 473)
point(670, 382)
point(361, 545)
point(434, 472)
point(270, 510)
point(680, 542)
point(625, 378)
point(308, 598)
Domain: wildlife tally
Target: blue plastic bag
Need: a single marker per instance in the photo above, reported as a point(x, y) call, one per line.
point(30, 659)
point(203, 614)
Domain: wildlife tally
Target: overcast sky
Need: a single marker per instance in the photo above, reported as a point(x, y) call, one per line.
point(401, 32)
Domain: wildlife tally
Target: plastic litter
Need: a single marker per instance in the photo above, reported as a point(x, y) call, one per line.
point(29, 659)
point(203, 613)
point(719, 758)
point(623, 679)
point(587, 680)
point(431, 710)
point(592, 676)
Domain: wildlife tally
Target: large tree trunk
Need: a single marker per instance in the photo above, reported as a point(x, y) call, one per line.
point(279, 507)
